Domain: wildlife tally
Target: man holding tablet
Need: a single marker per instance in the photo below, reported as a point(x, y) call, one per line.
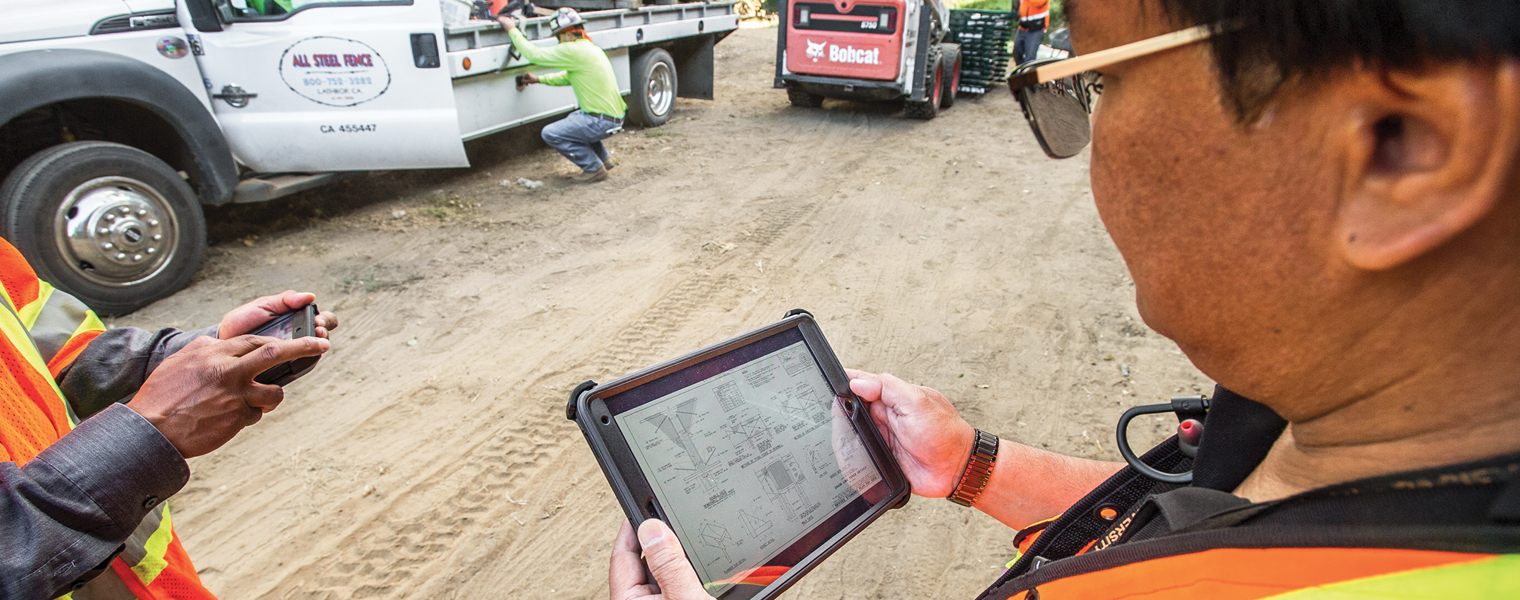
point(1320, 203)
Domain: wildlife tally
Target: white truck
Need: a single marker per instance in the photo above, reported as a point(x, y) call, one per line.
point(119, 119)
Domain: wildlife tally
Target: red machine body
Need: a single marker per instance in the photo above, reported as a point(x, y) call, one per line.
point(858, 39)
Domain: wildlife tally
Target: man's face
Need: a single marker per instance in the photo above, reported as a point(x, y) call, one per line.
point(1224, 226)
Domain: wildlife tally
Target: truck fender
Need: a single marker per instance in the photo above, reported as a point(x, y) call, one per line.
point(38, 78)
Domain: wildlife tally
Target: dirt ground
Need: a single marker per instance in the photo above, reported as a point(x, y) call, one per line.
point(429, 456)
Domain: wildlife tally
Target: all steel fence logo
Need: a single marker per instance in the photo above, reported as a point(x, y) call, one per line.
point(847, 54)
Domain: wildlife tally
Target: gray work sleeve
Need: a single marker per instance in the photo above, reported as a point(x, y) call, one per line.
point(66, 513)
point(115, 364)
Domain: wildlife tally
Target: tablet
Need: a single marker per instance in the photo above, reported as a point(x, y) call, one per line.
point(754, 451)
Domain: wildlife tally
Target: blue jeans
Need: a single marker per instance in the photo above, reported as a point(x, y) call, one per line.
point(579, 137)
point(1026, 46)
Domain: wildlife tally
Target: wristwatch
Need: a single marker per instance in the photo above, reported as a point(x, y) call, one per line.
point(978, 469)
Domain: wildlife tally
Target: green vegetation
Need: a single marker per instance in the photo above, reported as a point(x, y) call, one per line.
point(442, 206)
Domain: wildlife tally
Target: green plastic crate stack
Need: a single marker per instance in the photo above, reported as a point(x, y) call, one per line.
point(983, 36)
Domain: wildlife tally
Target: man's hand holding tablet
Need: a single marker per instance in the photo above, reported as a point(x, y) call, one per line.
point(657, 544)
point(755, 453)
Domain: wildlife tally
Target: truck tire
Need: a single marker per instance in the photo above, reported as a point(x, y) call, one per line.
point(801, 98)
point(934, 88)
point(112, 225)
point(654, 89)
point(952, 58)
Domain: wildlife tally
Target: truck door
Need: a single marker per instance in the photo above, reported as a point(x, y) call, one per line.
point(313, 85)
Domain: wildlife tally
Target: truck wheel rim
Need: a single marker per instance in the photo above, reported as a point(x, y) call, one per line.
point(662, 90)
point(116, 231)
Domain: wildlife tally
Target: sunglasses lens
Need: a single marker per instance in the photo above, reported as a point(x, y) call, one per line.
point(1058, 113)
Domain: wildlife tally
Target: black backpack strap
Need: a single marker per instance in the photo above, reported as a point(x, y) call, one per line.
point(1506, 509)
point(1081, 524)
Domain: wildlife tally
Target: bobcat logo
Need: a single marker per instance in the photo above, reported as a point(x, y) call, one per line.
point(815, 51)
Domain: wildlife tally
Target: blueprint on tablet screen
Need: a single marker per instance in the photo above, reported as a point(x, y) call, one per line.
point(746, 462)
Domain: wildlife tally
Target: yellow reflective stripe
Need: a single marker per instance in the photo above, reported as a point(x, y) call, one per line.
point(16, 333)
point(29, 312)
point(151, 565)
point(54, 320)
point(90, 323)
point(1483, 579)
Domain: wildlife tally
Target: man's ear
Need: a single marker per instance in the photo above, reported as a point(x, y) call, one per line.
point(1429, 153)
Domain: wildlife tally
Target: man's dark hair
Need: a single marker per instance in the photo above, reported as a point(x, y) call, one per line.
point(1280, 40)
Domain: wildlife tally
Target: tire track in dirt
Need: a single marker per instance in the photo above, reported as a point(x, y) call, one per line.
point(390, 555)
point(643, 342)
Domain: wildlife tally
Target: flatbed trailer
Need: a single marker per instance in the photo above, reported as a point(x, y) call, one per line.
point(119, 119)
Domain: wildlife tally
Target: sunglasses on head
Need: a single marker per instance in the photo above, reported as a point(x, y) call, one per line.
point(1058, 94)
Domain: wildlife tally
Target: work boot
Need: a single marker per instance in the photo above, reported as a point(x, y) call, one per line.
point(590, 176)
point(607, 164)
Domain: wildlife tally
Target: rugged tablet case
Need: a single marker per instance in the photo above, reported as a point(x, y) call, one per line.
point(638, 510)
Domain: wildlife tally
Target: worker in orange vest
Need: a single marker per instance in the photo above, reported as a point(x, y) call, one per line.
point(1034, 19)
point(95, 427)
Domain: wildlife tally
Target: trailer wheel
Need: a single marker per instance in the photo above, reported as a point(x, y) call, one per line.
point(112, 225)
point(654, 89)
point(952, 59)
point(934, 88)
point(803, 98)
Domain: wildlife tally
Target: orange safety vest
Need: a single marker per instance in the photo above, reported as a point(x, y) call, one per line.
point(44, 330)
point(1035, 10)
point(1285, 562)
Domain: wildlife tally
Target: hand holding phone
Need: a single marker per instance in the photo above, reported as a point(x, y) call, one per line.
point(301, 322)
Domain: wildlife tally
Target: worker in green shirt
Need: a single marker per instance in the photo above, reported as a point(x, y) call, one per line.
point(271, 7)
point(587, 71)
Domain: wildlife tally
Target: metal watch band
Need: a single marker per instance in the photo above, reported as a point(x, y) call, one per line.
point(978, 469)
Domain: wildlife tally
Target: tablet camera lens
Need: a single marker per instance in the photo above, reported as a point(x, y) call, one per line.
point(606, 419)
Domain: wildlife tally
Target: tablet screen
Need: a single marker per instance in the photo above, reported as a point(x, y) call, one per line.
point(752, 460)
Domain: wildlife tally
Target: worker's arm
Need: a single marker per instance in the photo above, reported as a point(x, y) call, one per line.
point(115, 364)
point(66, 512)
point(560, 78)
point(93, 366)
point(933, 443)
point(555, 57)
point(112, 364)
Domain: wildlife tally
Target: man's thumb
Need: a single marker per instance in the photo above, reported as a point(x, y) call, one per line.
point(667, 562)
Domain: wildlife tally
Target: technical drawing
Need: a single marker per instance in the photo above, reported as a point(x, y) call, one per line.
point(801, 402)
point(715, 536)
point(676, 425)
point(753, 432)
point(728, 395)
point(780, 480)
point(756, 526)
point(797, 360)
point(822, 462)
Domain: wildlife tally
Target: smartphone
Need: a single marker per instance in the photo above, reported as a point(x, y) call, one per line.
point(299, 323)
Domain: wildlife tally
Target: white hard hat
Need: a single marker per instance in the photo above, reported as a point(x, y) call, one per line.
point(565, 18)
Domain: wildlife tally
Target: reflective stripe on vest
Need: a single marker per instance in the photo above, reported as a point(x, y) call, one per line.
point(1032, 10)
point(38, 414)
point(1298, 574)
point(60, 326)
point(44, 330)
